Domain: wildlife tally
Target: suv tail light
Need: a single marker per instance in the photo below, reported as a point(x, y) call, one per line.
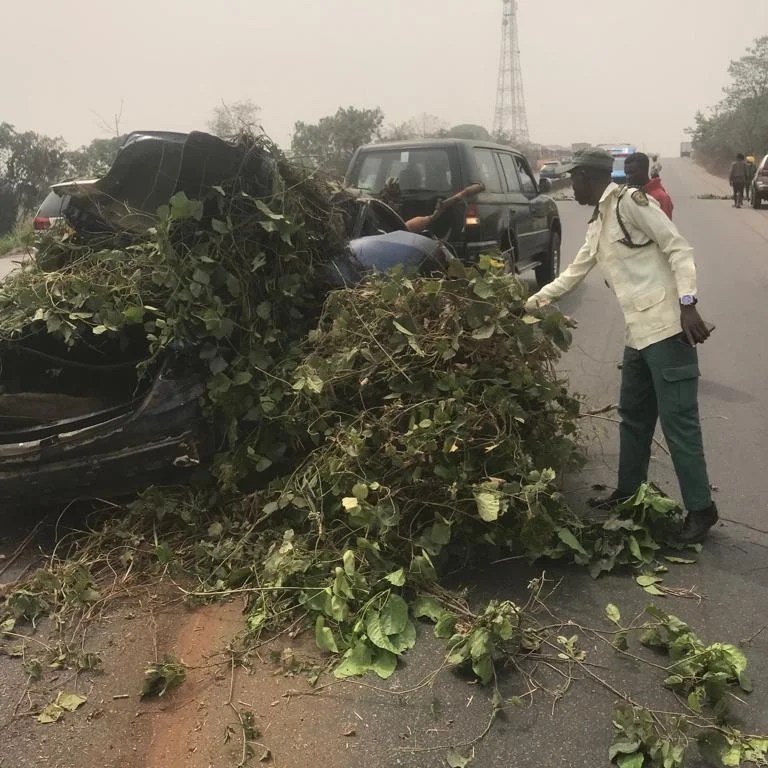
point(472, 216)
point(42, 222)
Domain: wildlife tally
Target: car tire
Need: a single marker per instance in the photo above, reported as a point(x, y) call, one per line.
point(757, 201)
point(550, 269)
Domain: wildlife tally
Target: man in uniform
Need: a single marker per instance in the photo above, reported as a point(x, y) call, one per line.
point(650, 267)
point(636, 170)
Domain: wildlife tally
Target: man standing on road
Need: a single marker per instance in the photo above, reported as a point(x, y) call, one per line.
point(651, 269)
point(636, 169)
point(751, 170)
point(738, 179)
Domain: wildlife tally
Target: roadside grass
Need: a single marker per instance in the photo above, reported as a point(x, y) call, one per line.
point(22, 236)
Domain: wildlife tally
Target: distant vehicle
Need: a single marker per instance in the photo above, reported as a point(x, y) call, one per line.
point(620, 152)
point(686, 148)
point(511, 214)
point(760, 184)
point(551, 170)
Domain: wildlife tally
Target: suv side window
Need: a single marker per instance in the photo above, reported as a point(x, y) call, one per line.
point(510, 174)
point(488, 170)
point(529, 185)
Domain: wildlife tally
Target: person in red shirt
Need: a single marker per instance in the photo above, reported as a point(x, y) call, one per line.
point(637, 167)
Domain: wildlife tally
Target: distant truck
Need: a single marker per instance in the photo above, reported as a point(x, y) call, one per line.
point(686, 148)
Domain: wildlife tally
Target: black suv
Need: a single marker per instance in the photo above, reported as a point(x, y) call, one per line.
point(511, 214)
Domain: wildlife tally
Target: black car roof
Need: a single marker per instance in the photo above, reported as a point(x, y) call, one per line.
point(439, 143)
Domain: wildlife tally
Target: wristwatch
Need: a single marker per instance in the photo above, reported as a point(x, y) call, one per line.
point(688, 301)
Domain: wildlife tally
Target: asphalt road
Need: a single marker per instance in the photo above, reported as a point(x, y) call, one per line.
point(732, 573)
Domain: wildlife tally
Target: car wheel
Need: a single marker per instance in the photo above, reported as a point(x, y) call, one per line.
point(550, 269)
point(757, 201)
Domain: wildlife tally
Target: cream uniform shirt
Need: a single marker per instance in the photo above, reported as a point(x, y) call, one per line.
point(648, 281)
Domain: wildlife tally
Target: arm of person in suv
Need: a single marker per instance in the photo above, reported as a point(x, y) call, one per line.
point(576, 271)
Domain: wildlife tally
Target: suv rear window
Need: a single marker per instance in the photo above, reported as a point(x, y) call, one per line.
point(417, 169)
point(52, 205)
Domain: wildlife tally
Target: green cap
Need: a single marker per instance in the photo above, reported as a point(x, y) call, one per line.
point(589, 158)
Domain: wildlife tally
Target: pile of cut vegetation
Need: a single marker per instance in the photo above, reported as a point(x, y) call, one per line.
point(424, 417)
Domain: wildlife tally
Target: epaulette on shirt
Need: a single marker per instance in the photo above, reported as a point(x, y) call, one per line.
point(640, 198)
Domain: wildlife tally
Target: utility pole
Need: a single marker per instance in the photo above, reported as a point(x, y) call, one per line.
point(509, 119)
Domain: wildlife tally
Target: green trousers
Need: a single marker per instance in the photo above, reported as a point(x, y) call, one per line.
point(662, 382)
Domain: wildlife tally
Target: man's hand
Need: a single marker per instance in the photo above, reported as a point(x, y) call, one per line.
point(694, 328)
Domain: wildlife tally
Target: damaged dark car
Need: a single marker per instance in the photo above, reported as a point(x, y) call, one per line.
point(103, 422)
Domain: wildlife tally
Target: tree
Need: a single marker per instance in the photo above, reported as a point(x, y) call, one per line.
point(469, 131)
point(739, 123)
point(29, 164)
point(423, 126)
point(329, 144)
point(95, 159)
point(229, 120)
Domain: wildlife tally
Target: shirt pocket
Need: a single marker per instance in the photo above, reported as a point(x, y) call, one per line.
point(649, 298)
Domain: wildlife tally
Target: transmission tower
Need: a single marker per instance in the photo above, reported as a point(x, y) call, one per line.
point(509, 119)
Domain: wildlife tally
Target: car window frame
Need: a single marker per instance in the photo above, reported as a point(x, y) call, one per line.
point(513, 158)
point(521, 161)
point(495, 164)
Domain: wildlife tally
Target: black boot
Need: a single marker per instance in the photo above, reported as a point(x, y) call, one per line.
point(697, 525)
point(609, 502)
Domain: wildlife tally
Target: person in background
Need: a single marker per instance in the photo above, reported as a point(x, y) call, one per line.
point(655, 167)
point(636, 168)
point(751, 170)
point(651, 270)
point(737, 179)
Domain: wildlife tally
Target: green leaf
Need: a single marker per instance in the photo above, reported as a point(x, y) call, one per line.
point(634, 548)
point(402, 328)
point(637, 760)
point(70, 701)
point(612, 612)
point(427, 607)
point(99, 329)
point(680, 560)
point(360, 491)
point(357, 661)
point(396, 578)
point(376, 634)
point(488, 502)
point(324, 636)
point(50, 714)
point(394, 615)
point(383, 663)
point(571, 541)
point(446, 625)
point(623, 748)
point(457, 760)
point(646, 580)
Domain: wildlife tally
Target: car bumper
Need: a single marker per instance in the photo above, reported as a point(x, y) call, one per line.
point(161, 439)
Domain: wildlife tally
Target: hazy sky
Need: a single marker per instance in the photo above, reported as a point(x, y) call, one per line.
point(594, 70)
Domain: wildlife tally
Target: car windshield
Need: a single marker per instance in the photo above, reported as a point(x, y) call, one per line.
point(51, 206)
point(416, 169)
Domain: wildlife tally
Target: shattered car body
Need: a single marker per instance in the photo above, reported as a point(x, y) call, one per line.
point(92, 428)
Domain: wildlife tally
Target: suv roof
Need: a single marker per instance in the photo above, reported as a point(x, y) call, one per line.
point(440, 143)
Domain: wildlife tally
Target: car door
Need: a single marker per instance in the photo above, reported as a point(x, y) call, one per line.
point(538, 207)
point(518, 206)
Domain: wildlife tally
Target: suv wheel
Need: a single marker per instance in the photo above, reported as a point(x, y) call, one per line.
point(550, 269)
point(757, 201)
